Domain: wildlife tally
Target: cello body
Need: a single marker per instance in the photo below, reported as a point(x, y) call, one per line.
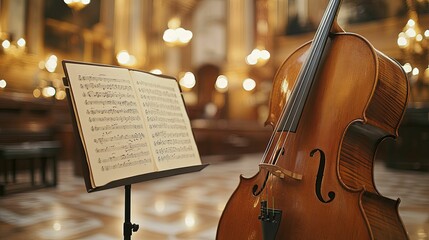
point(357, 100)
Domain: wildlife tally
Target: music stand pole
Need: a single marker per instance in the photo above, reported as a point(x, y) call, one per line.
point(129, 227)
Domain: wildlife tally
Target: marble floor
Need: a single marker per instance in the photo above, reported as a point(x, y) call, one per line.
point(180, 207)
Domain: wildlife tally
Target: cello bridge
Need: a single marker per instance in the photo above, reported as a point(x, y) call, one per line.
point(280, 172)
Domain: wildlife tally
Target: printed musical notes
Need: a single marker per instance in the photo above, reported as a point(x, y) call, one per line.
point(167, 120)
point(125, 122)
point(130, 122)
point(110, 121)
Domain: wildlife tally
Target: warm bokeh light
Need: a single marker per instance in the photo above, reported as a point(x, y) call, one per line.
point(174, 23)
point(169, 36)
point(249, 84)
point(190, 220)
point(416, 71)
point(221, 83)
point(5, 44)
point(60, 95)
point(419, 37)
point(412, 39)
point(3, 83)
point(51, 63)
point(41, 65)
point(258, 56)
point(159, 206)
point(156, 71)
point(188, 80)
point(77, 4)
point(21, 42)
point(56, 226)
point(184, 36)
point(402, 40)
point(411, 32)
point(176, 35)
point(407, 67)
point(37, 93)
point(251, 59)
point(123, 57)
point(48, 91)
point(126, 59)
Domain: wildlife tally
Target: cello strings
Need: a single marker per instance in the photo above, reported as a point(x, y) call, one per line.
point(316, 52)
point(299, 85)
point(301, 77)
point(297, 88)
point(278, 127)
point(303, 80)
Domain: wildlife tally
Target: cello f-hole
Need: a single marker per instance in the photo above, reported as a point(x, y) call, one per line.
point(319, 178)
point(255, 190)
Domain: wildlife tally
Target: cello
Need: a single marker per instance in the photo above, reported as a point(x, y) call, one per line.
point(333, 101)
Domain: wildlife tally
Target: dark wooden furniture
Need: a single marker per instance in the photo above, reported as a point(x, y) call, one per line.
point(226, 137)
point(411, 150)
point(29, 147)
point(29, 157)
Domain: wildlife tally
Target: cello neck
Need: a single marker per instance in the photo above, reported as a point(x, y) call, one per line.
point(295, 106)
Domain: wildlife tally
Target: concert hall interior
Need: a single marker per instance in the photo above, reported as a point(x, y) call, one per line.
point(224, 54)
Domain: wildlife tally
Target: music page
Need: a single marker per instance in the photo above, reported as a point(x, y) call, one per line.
point(172, 140)
point(110, 122)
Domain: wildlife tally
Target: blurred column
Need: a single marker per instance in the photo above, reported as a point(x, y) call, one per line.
point(156, 47)
point(138, 29)
point(16, 20)
point(121, 25)
point(105, 30)
point(35, 26)
point(131, 27)
point(12, 18)
point(239, 42)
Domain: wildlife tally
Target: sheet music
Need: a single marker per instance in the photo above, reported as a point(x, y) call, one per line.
point(168, 124)
point(111, 122)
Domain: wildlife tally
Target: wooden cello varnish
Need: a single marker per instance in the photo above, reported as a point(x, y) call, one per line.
point(319, 172)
